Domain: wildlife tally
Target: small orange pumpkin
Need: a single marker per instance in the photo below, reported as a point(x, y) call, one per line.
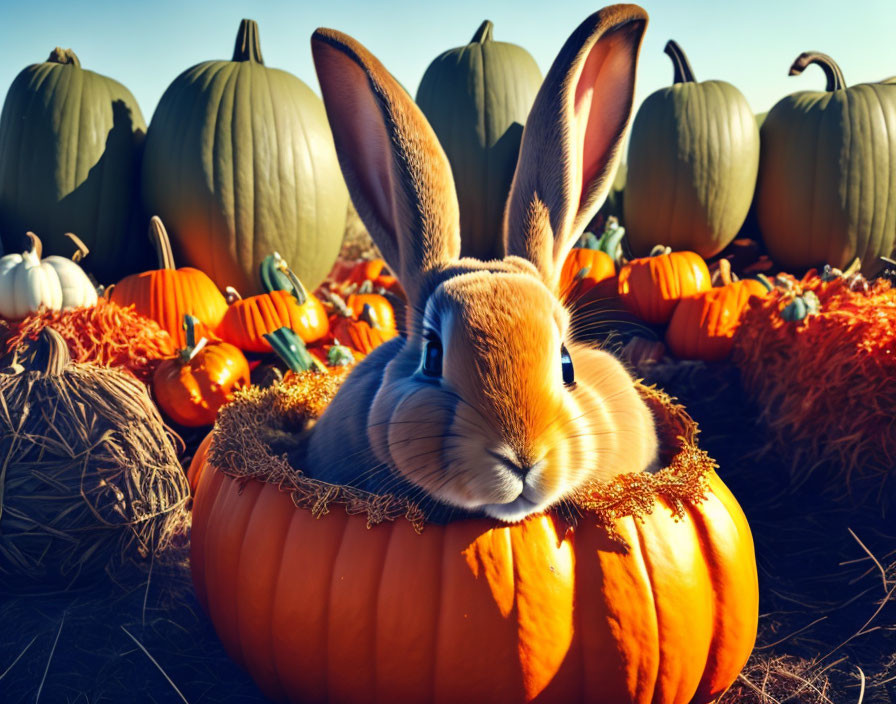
point(248, 320)
point(703, 325)
point(380, 305)
point(336, 354)
point(364, 333)
point(167, 294)
point(650, 287)
point(582, 270)
point(365, 270)
point(192, 386)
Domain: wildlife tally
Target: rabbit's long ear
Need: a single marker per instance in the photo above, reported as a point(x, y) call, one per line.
point(571, 143)
point(397, 173)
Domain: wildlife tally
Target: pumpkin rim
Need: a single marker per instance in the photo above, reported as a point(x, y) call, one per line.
point(238, 448)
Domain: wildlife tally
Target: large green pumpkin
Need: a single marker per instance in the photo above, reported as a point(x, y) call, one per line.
point(477, 98)
point(70, 143)
point(692, 163)
point(240, 163)
point(827, 177)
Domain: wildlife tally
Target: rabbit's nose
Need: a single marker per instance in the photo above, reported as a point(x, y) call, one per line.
point(512, 461)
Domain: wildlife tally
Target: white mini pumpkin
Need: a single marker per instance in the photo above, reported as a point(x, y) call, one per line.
point(28, 282)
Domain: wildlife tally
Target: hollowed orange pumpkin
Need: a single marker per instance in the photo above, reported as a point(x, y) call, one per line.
point(319, 606)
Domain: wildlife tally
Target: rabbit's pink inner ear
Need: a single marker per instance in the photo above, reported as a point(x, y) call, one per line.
point(362, 142)
point(602, 105)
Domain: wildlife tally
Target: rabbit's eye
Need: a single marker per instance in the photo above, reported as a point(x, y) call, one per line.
point(432, 356)
point(569, 374)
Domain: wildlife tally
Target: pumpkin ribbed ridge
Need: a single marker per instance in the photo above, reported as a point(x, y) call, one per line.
point(477, 98)
point(240, 162)
point(527, 647)
point(692, 163)
point(826, 178)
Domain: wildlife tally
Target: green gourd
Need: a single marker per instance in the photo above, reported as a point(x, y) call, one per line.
point(70, 142)
point(692, 163)
point(477, 98)
point(239, 163)
point(826, 192)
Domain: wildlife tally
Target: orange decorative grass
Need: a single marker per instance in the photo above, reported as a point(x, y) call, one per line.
point(826, 385)
point(105, 334)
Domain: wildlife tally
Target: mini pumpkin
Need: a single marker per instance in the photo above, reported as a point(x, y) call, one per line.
point(650, 287)
point(703, 325)
point(29, 283)
point(248, 320)
point(582, 270)
point(193, 386)
point(167, 294)
point(380, 305)
point(363, 333)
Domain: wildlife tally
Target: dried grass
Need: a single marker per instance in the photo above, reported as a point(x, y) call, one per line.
point(106, 334)
point(249, 430)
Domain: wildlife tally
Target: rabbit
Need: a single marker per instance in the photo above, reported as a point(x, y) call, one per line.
point(485, 406)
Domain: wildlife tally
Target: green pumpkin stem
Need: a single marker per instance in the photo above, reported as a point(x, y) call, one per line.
point(191, 349)
point(159, 238)
point(51, 356)
point(764, 280)
point(248, 45)
point(35, 246)
point(81, 249)
point(64, 56)
point(682, 67)
point(831, 70)
point(368, 315)
point(484, 33)
point(290, 348)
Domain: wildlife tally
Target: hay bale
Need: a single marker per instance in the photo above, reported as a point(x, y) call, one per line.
point(88, 472)
point(825, 384)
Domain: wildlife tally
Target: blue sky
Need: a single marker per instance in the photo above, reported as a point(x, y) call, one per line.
point(145, 45)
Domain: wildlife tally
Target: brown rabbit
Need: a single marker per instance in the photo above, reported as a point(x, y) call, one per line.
point(486, 406)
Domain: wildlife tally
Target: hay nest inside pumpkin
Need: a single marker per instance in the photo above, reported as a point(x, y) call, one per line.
point(88, 472)
point(251, 428)
point(105, 333)
point(826, 385)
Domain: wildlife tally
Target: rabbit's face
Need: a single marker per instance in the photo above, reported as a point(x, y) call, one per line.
point(483, 411)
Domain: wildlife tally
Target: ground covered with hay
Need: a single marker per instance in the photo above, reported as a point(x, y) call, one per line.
point(827, 580)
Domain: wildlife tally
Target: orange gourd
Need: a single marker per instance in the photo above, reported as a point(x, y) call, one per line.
point(167, 294)
point(380, 305)
point(650, 287)
point(319, 606)
point(191, 387)
point(703, 325)
point(582, 270)
point(248, 320)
